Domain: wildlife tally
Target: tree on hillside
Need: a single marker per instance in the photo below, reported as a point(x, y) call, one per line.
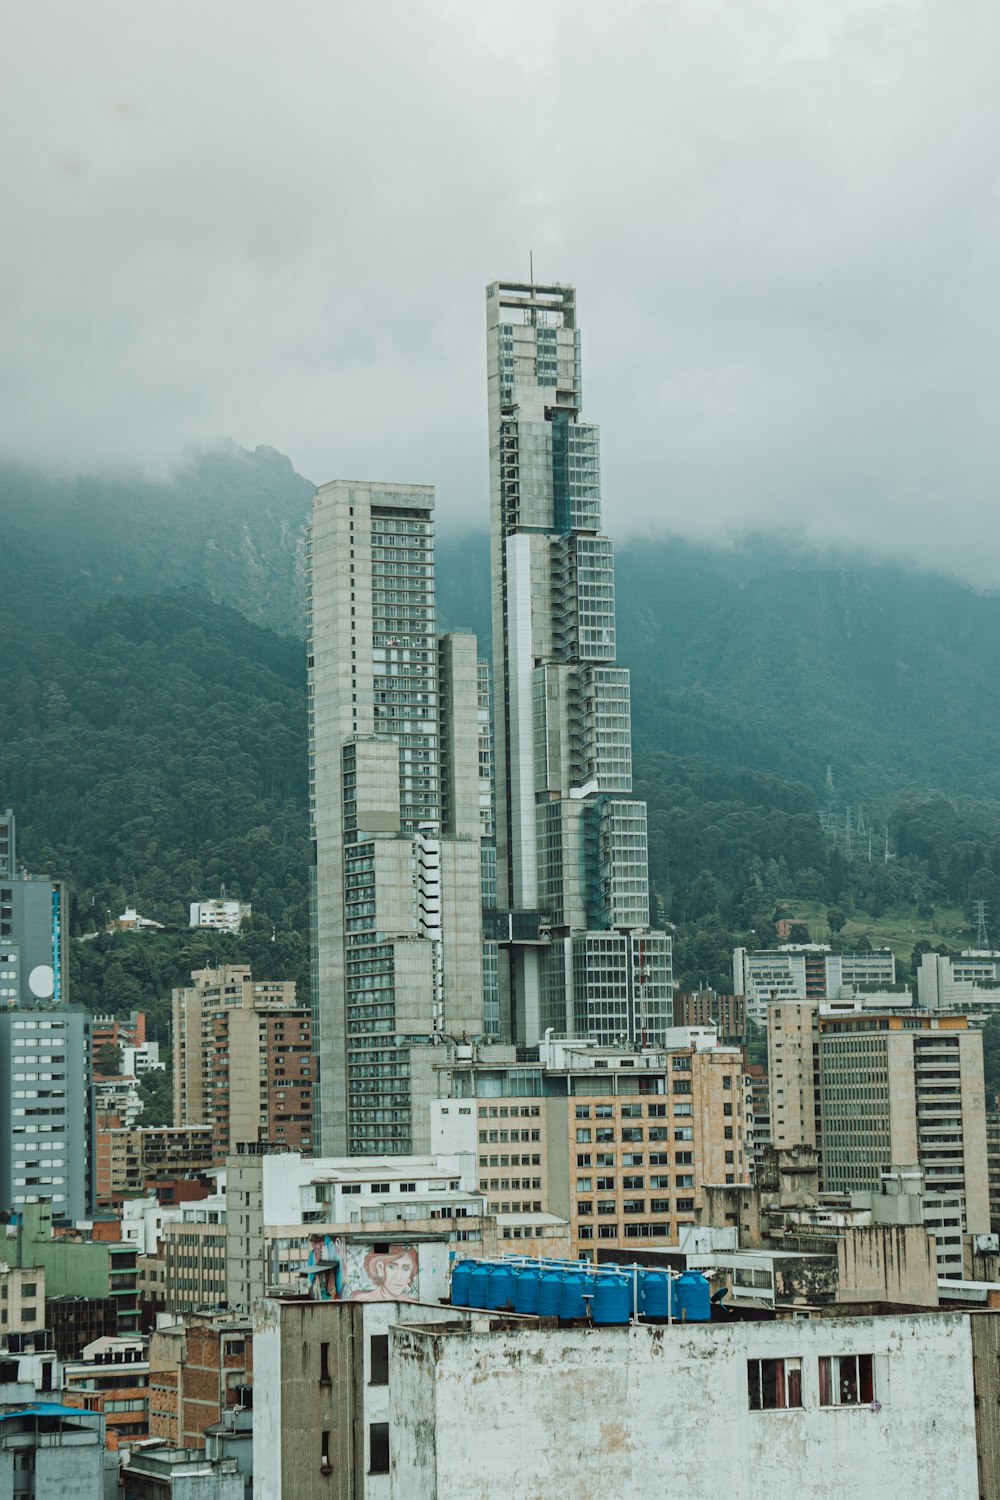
point(108, 1060)
point(157, 1095)
point(799, 933)
point(835, 919)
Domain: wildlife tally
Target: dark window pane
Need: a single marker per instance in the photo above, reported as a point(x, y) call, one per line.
point(378, 1448)
point(380, 1359)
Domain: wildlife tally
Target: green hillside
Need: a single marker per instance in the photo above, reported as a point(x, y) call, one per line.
point(152, 721)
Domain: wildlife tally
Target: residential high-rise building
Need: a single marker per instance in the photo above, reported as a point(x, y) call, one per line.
point(243, 1060)
point(33, 966)
point(577, 951)
point(395, 803)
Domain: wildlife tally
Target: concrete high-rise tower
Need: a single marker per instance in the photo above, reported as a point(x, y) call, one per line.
point(395, 795)
point(577, 951)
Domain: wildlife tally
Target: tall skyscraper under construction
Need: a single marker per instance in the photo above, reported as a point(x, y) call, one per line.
point(577, 953)
point(396, 805)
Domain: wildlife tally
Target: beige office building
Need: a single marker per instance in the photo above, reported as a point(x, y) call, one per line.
point(619, 1143)
point(873, 1090)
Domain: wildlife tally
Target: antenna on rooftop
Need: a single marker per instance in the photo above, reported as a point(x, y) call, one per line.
point(531, 268)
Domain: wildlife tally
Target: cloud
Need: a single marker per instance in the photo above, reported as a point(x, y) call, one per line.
point(275, 223)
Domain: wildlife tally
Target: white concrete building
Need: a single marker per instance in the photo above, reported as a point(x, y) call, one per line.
point(219, 914)
point(969, 982)
point(800, 971)
point(285, 1210)
point(811, 1409)
point(322, 1417)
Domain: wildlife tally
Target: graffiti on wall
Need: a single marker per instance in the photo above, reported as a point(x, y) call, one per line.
point(337, 1270)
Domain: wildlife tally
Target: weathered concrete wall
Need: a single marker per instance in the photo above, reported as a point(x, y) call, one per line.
point(986, 1370)
point(887, 1263)
point(595, 1414)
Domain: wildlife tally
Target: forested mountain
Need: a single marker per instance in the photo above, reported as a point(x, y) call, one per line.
point(228, 524)
point(152, 716)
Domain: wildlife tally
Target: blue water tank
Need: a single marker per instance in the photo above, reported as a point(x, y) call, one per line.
point(479, 1282)
point(612, 1299)
point(571, 1303)
point(501, 1286)
point(654, 1294)
point(527, 1284)
point(694, 1297)
point(461, 1271)
point(550, 1294)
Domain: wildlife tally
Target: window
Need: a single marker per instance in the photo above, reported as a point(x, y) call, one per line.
point(846, 1380)
point(378, 1448)
point(583, 1159)
point(584, 1135)
point(607, 1231)
point(583, 1111)
point(774, 1384)
point(379, 1359)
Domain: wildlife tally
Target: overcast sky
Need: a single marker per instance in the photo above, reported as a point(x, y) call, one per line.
point(273, 220)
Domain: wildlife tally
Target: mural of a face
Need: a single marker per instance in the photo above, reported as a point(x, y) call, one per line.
point(392, 1273)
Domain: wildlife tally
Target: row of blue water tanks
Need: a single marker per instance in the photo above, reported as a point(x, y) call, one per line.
point(564, 1290)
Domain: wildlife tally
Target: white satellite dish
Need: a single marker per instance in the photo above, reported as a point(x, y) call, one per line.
point(42, 982)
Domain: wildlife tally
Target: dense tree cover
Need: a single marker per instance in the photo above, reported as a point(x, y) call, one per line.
point(153, 745)
point(155, 754)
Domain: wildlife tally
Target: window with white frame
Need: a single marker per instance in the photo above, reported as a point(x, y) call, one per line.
point(774, 1384)
point(846, 1380)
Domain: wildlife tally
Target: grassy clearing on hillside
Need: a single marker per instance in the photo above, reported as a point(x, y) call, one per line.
point(900, 928)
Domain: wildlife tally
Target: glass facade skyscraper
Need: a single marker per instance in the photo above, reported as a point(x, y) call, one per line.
point(576, 953)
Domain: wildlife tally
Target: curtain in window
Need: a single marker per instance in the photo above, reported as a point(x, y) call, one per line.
point(825, 1391)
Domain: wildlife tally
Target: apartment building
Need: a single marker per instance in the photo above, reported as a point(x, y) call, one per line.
point(243, 1060)
point(126, 1161)
point(198, 1367)
point(194, 1256)
point(111, 1376)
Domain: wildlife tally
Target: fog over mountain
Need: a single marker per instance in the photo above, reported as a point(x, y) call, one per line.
point(274, 224)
